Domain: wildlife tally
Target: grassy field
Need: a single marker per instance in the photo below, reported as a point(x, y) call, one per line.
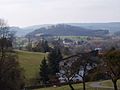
point(76, 87)
point(30, 61)
point(66, 87)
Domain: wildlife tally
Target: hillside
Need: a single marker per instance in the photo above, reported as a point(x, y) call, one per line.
point(67, 30)
point(25, 30)
point(30, 62)
point(111, 26)
point(20, 31)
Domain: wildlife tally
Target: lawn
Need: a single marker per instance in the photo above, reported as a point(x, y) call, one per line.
point(30, 61)
point(107, 83)
point(76, 87)
point(66, 87)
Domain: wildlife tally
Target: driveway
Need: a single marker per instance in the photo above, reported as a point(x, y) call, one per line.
point(98, 85)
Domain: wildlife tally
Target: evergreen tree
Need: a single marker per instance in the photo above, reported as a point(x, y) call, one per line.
point(46, 46)
point(44, 71)
point(54, 57)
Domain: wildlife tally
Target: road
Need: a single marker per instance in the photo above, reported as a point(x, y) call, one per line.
point(98, 85)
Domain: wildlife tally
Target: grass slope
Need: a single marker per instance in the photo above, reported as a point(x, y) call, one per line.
point(76, 87)
point(66, 87)
point(30, 61)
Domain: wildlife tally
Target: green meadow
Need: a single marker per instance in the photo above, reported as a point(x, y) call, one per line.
point(30, 62)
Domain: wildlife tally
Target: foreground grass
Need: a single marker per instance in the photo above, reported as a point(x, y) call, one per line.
point(107, 83)
point(76, 87)
point(66, 87)
point(30, 61)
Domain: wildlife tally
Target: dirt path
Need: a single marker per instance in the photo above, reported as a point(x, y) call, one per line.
point(98, 85)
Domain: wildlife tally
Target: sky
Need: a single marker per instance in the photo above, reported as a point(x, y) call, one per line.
point(34, 12)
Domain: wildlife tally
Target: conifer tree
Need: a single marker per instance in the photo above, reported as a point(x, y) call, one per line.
point(54, 58)
point(44, 72)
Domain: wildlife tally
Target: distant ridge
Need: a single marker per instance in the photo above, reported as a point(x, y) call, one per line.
point(67, 30)
point(111, 26)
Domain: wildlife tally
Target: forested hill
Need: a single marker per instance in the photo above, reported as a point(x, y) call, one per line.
point(67, 30)
point(111, 26)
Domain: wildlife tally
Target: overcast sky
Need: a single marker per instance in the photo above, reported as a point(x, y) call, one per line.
point(31, 12)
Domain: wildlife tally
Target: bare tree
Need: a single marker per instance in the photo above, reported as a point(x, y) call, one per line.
point(85, 63)
point(68, 72)
point(11, 77)
point(80, 65)
point(111, 66)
